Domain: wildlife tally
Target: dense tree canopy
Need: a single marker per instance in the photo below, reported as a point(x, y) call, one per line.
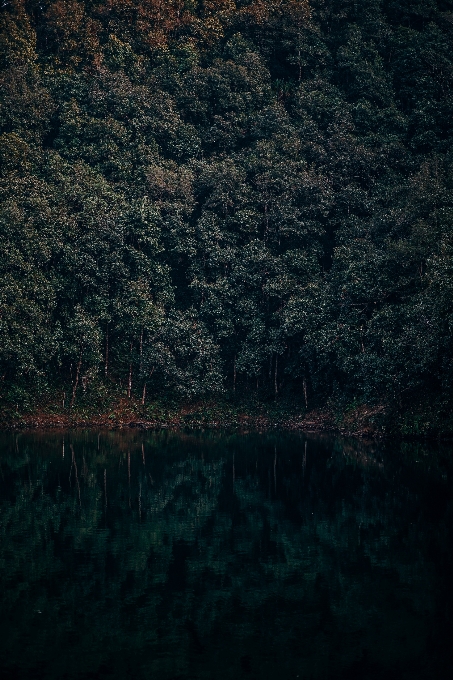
point(205, 196)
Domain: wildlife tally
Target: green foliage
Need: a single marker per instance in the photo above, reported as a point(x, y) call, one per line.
point(195, 195)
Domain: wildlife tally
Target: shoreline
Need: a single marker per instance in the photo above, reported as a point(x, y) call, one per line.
point(362, 422)
point(194, 417)
point(245, 422)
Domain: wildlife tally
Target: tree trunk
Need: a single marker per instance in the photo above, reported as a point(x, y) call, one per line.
point(76, 382)
point(129, 384)
point(144, 388)
point(305, 393)
point(106, 367)
point(144, 394)
point(141, 351)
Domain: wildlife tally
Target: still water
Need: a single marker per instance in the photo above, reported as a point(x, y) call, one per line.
point(182, 556)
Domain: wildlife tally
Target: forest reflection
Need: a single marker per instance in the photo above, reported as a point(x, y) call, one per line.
point(172, 555)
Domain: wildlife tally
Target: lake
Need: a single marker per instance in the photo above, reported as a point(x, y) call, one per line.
point(171, 556)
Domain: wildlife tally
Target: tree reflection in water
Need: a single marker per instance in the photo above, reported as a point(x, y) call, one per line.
point(169, 555)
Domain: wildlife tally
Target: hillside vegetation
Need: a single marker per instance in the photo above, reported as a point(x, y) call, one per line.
point(223, 199)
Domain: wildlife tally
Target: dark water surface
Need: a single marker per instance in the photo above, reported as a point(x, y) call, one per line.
point(165, 556)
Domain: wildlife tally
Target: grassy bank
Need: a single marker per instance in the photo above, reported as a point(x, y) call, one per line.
point(423, 419)
point(122, 412)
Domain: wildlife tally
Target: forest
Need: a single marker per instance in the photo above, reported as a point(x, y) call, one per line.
point(228, 200)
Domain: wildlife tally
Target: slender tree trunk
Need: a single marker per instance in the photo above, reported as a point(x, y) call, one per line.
point(234, 374)
point(144, 388)
point(305, 393)
point(106, 367)
point(129, 384)
point(76, 382)
point(141, 351)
